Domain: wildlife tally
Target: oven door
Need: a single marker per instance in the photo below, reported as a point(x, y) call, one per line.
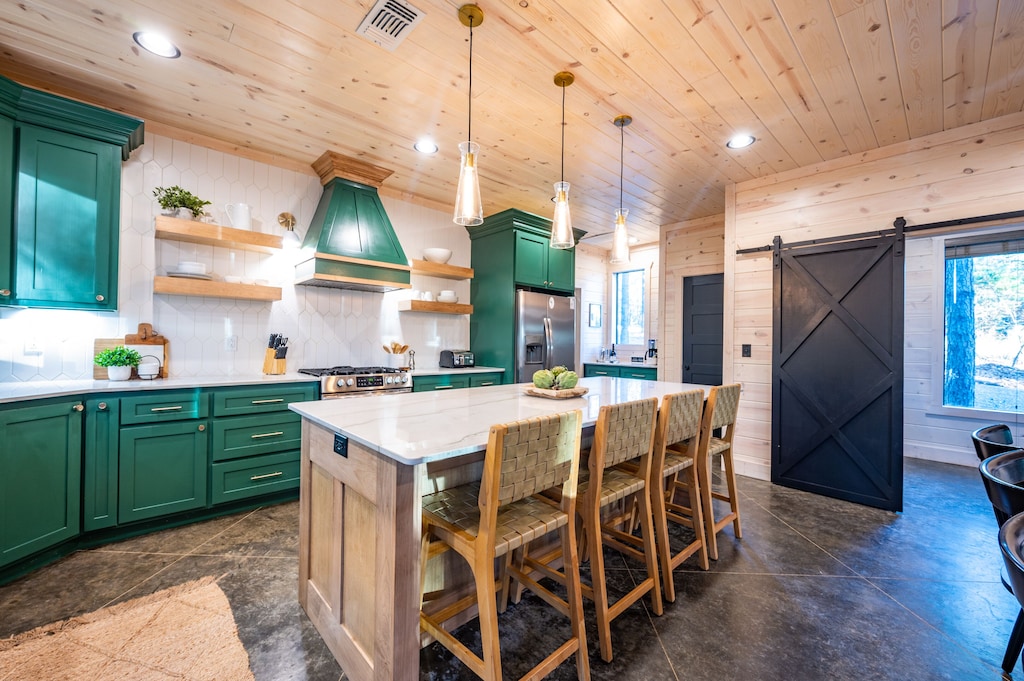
point(364, 393)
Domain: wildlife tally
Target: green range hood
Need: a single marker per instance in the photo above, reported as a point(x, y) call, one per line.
point(350, 241)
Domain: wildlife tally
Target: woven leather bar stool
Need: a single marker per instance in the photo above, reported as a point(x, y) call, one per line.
point(624, 434)
point(673, 472)
point(487, 520)
point(719, 412)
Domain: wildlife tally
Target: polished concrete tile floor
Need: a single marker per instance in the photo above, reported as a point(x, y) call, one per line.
point(816, 589)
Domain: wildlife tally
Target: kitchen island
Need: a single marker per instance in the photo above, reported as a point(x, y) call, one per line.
point(365, 465)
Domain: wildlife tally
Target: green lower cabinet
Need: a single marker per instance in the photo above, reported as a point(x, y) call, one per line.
point(162, 469)
point(621, 371)
point(99, 476)
point(40, 477)
point(483, 380)
point(253, 476)
point(245, 400)
point(440, 382)
point(242, 436)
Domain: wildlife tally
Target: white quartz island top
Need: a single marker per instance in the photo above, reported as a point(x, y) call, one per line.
point(415, 428)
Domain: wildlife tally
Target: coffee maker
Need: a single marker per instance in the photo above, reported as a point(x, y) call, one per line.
point(652, 352)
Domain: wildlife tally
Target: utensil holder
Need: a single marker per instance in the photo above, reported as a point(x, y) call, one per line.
point(273, 366)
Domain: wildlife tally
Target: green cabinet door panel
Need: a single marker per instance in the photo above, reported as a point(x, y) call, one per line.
point(562, 269)
point(66, 213)
point(99, 477)
point(483, 380)
point(600, 370)
point(6, 207)
point(243, 436)
point(531, 268)
point(643, 373)
point(253, 476)
point(40, 477)
point(244, 400)
point(439, 382)
point(162, 469)
point(164, 405)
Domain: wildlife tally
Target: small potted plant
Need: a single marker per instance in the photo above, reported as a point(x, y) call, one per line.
point(119, 361)
point(175, 200)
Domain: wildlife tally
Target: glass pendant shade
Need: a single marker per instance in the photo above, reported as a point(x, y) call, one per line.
point(561, 227)
point(620, 240)
point(469, 210)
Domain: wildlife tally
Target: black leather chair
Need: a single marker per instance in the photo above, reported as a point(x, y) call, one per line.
point(992, 440)
point(1011, 543)
point(1003, 475)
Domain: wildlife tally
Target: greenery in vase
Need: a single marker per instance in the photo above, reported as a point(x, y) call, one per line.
point(176, 197)
point(119, 356)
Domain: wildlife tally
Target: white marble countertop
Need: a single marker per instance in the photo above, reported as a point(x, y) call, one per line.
point(29, 390)
point(415, 428)
point(441, 371)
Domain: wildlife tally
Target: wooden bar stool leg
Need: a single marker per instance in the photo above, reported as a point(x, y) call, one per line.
point(734, 501)
point(704, 486)
point(574, 597)
point(696, 506)
point(483, 573)
point(661, 535)
point(647, 532)
point(596, 548)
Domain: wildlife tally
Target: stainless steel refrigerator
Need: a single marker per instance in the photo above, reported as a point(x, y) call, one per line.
point(545, 333)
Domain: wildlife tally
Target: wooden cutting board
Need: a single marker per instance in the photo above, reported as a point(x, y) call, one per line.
point(145, 341)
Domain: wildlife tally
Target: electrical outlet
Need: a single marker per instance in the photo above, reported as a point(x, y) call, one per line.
point(231, 343)
point(745, 350)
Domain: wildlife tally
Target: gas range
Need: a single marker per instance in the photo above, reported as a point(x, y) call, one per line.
point(347, 381)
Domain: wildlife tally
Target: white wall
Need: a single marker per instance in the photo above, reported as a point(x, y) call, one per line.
point(326, 326)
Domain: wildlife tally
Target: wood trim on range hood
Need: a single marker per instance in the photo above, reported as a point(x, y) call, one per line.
point(350, 241)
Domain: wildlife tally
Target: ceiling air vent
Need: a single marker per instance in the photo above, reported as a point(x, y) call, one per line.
point(388, 22)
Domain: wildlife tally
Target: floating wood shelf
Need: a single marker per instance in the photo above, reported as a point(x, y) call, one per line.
point(433, 306)
point(436, 269)
point(193, 232)
point(181, 286)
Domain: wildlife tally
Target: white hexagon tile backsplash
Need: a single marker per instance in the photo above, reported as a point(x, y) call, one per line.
point(325, 326)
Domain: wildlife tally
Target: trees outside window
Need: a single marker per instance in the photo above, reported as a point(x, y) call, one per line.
point(629, 307)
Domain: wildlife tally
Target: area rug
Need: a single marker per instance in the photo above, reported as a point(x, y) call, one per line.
point(185, 633)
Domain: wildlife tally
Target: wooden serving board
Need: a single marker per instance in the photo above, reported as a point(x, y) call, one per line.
point(145, 341)
point(556, 394)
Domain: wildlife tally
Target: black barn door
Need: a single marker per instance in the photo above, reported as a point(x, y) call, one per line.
point(702, 329)
point(837, 370)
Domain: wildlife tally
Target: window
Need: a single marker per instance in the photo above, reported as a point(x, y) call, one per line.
point(984, 322)
point(629, 307)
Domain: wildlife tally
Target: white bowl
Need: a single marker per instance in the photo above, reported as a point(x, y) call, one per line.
point(191, 267)
point(438, 255)
point(448, 299)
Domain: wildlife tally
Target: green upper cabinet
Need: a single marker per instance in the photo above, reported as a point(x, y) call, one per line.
point(67, 224)
point(60, 185)
point(40, 477)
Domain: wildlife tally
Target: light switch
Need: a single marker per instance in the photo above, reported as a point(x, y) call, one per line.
point(745, 349)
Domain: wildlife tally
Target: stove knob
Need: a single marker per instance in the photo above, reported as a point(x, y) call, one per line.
point(390, 380)
point(348, 382)
point(403, 379)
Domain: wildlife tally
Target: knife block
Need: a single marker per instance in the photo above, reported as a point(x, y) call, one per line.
point(273, 366)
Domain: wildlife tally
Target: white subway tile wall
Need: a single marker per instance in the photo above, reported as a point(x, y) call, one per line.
point(325, 326)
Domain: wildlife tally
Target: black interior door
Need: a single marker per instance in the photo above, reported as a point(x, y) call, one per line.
point(837, 370)
point(702, 329)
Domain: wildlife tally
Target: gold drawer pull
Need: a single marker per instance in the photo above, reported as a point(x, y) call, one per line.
point(265, 476)
point(279, 399)
point(274, 434)
point(442, 387)
point(175, 408)
point(486, 383)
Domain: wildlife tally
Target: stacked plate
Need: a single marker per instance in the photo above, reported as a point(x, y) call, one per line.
point(190, 270)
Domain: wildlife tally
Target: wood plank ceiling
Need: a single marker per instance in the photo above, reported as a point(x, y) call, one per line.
point(284, 80)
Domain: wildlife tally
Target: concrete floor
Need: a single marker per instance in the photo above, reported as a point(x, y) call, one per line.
point(816, 589)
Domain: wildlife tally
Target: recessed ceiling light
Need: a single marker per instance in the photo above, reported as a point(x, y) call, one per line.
point(425, 146)
point(157, 44)
point(739, 141)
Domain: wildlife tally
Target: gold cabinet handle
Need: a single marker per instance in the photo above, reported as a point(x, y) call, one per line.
point(279, 399)
point(5, 291)
point(486, 383)
point(266, 475)
point(78, 407)
point(101, 406)
point(202, 427)
point(442, 387)
point(100, 298)
point(274, 434)
point(174, 408)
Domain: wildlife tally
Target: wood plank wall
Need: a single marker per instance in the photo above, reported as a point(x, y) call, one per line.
point(969, 171)
point(592, 284)
point(688, 248)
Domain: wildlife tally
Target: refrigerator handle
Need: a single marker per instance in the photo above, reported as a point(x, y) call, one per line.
point(549, 343)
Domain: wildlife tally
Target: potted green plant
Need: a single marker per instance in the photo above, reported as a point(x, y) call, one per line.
point(173, 199)
point(119, 361)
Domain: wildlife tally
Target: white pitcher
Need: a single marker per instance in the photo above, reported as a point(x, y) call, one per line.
point(239, 215)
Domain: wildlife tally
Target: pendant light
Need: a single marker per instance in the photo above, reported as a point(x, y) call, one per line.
point(620, 240)
point(469, 210)
point(561, 226)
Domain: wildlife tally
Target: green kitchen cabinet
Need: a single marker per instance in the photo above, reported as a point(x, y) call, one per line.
point(99, 474)
point(40, 477)
point(484, 380)
point(439, 382)
point(511, 250)
point(621, 371)
point(60, 186)
point(162, 469)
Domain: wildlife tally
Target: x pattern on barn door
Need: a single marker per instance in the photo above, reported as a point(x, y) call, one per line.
point(837, 374)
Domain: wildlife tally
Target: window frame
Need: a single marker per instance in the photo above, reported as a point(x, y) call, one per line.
point(614, 330)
